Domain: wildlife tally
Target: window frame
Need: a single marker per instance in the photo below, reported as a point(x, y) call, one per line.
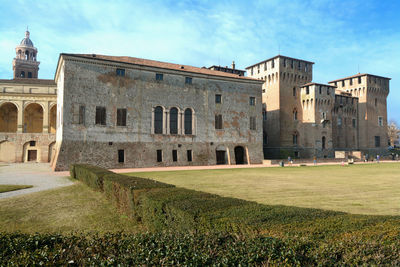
point(121, 156)
point(120, 72)
point(188, 80)
point(101, 116)
point(121, 121)
point(218, 99)
point(159, 77)
point(252, 100)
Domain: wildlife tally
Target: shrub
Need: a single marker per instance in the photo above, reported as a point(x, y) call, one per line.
point(90, 175)
point(124, 191)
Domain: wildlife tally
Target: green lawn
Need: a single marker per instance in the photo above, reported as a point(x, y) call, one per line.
point(359, 189)
point(73, 208)
point(12, 187)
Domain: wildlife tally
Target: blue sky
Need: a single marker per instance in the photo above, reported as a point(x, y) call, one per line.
point(341, 37)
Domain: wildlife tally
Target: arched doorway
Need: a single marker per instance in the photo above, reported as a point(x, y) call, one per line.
point(7, 151)
point(33, 118)
point(52, 119)
point(239, 155)
point(8, 118)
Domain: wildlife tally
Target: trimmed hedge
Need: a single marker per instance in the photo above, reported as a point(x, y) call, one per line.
point(90, 175)
point(177, 249)
point(124, 191)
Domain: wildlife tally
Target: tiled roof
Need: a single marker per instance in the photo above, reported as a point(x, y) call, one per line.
point(29, 81)
point(308, 84)
point(358, 75)
point(292, 58)
point(159, 64)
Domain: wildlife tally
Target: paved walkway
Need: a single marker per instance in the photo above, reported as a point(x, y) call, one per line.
point(39, 175)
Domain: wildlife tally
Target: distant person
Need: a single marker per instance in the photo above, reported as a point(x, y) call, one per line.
point(392, 156)
point(397, 157)
point(315, 160)
point(366, 157)
point(290, 161)
point(377, 158)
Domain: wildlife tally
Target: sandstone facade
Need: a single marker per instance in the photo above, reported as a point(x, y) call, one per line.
point(120, 112)
point(27, 110)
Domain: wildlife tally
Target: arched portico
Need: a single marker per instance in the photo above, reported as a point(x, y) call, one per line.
point(33, 118)
point(8, 117)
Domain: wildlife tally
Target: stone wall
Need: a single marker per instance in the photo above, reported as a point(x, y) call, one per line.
point(94, 83)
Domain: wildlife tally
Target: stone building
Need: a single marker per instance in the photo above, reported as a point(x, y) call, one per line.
point(305, 119)
point(129, 112)
point(27, 110)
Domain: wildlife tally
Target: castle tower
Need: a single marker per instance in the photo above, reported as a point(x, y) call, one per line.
point(25, 64)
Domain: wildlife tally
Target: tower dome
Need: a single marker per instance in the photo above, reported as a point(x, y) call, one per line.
point(26, 41)
point(25, 64)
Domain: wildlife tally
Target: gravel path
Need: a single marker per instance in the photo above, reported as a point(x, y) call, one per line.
point(39, 175)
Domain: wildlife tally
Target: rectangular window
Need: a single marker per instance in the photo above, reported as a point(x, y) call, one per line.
point(120, 72)
point(377, 141)
point(272, 64)
point(307, 90)
point(339, 121)
point(291, 63)
point(327, 91)
point(351, 81)
point(81, 114)
point(188, 80)
point(159, 155)
point(343, 83)
point(218, 121)
point(252, 123)
point(294, 91)
point(159, 76)
point(252, 101)
point(121, 117)
point(29, 74)
point(121, 156)
point(380, 121)
point(189, 155)
point(295, 139)
point(284, 62)
point(359, 80)
point(320, 89)
point(218, 99)
point(100, 115)
point(174, 155)
point(299, 66)
point(354, 123)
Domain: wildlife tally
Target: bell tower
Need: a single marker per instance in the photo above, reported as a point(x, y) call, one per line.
point(25, 64)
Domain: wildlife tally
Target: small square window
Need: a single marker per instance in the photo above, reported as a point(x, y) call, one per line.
point(159, 155)
point(121, 156)
point(120, 72)
point(189, 155)
point(188, 80)
point(159, 76)
point(218, 99)
point(252, 101)
point(174, 155)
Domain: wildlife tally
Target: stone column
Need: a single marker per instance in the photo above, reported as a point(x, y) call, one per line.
point(181, 127)
point(20, 117)
point(46, 111)
point(166, 122)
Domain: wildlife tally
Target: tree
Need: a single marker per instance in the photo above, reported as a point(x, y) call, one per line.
point(393, 133)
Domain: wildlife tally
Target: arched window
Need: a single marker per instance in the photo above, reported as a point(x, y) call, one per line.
point(158, 120)
point(323, 142)
point(188, 121)
point(295, 114)
point(22, 74)
point(173, 121)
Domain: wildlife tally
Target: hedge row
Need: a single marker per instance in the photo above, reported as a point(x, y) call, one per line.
point(170, 249)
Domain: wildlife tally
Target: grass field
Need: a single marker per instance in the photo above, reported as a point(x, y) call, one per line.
point(12, 187)
point(63, 210)
point(359, 189)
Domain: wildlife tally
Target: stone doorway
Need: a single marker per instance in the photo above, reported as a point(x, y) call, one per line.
point(239, 155)
point(32, 155)
point(221, 157)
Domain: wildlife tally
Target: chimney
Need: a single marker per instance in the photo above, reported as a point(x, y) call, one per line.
point(233, 64)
